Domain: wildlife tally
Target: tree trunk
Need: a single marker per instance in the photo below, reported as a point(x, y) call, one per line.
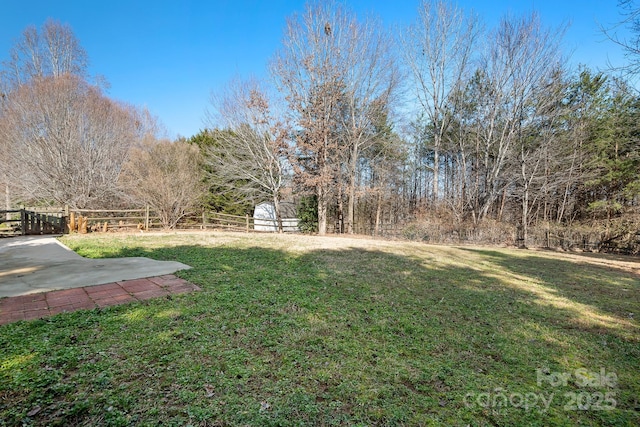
point(525, 203)
point(276, 207)
point(436, 172)
point(352, 189)
point(567, 187)
point(378, 212)
point(340, 224)
point(525, 215)
point(322, 211)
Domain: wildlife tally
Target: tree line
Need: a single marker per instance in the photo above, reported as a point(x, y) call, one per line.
point(443, 122)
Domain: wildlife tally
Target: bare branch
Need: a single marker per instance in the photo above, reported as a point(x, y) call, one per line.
point(53, 51)
point(65, 142)
point(165, 176)
point(250, 150)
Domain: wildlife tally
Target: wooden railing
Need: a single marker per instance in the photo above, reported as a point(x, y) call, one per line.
point(222, 221)
point(146, 219)
point(23, 221)
point(11, 222)
point(84, 220)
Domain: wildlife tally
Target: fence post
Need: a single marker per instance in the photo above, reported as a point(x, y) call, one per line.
point(247, 219)
point(35, 222)
point(146, 218)
point(63, 225)
point(65, 220)
point(23, 221)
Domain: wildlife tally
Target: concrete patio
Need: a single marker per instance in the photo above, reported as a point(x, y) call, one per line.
point(41, 277)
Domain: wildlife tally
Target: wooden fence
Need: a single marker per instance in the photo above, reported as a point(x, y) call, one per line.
point(220, 221)
point(29, 221)
point(11, 222)
point(87, 220)
point(84, 220)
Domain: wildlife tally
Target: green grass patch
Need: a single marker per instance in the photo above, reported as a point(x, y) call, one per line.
point(299, 330)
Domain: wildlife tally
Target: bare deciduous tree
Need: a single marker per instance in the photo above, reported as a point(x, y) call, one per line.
point(65, 142)
point(53, 51)
point(383, 168)
point(521, 59)
point(371, 79)
point(307, 74)
point(538, 136)
point(438, 50)
point(250, 152)
point(165, 176)
point(338, 76)
point(630, 21)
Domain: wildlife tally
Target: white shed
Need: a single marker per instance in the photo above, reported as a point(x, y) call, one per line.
point(264, 217)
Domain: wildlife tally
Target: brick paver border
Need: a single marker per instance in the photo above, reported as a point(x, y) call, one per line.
point(36, 306)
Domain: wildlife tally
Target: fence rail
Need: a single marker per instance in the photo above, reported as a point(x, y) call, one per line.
point(10, 222)
point(84, 220)
point(217, 220)
point(146, 219)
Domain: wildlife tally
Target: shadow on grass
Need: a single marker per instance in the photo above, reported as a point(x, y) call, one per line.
point(331, 337)
point(612, 291)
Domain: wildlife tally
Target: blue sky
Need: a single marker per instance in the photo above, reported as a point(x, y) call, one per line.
point(169, 55)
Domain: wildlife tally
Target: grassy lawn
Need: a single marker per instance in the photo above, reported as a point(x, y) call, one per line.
point(300, 330)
